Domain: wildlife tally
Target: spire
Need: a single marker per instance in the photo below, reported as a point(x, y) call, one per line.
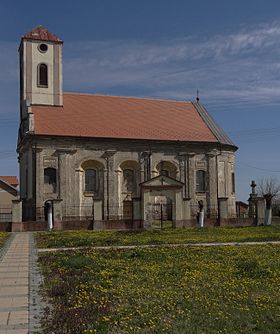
point(42, 34)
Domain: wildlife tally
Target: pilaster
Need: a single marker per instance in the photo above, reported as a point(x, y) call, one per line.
point(109, 191)
point(147, 162)
point(191, 187)
point(65, 186)
point(57, 213)
point(223, 209)
point(183, 168)
point(212, 196)
point(39, 165)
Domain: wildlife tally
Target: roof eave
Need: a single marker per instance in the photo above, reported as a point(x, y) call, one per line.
point(9, 185)
point(217, 131)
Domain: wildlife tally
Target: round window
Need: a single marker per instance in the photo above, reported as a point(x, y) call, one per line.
point(43, 47)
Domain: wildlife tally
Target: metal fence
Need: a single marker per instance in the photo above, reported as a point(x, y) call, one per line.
point(158, 212)
point(5, 214)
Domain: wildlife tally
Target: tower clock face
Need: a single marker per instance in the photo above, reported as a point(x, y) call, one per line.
point(43, 47)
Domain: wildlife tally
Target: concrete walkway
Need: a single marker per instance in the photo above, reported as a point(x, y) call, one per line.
point(198, 244)
point(14, 286)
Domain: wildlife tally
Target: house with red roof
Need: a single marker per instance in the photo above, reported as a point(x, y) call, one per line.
point(104, 161)
point(8, 193)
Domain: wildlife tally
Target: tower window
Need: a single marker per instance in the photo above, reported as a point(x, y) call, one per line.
point(42, 75)
point(43, 47)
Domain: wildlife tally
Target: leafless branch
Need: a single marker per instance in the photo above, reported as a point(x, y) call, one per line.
point(269, 187)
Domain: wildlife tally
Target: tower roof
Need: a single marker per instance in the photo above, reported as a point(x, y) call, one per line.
point(42, 34)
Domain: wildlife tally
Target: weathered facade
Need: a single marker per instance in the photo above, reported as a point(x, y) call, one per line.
point(115, 161)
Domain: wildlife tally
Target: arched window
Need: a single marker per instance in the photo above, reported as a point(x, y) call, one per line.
point(50, 180)
point(50, 176)
point(233, 183)
point(167, 168)
point(128, 180)
point(200, 181)
point(42, 75)
point(91, 180)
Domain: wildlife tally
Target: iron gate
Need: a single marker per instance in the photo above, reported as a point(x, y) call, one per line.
point(160, 215)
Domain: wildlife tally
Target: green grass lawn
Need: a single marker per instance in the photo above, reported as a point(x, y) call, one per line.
point(172, 236)
point(231, 289)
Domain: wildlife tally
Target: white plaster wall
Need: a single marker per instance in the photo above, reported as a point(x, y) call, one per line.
point(42, 95)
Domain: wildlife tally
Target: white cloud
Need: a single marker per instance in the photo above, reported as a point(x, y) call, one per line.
point(131, 53)
point(240, 66)
point(229, 69)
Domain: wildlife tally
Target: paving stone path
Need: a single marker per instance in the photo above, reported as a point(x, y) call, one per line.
point(14, 286)
point(20, 303)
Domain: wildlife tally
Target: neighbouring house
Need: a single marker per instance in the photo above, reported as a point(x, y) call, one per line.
point(242, 209)
point(8, 193)
point(116, 161)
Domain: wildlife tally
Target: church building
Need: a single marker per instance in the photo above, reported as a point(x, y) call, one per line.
point(113, 161)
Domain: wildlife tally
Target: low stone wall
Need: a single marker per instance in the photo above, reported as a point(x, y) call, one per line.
point(237, 222)
point(74, 225)
point(98, 225)
point(34, 226)
point(122, 224)
point(208, 222)
point(5, 227)
point(276, 220)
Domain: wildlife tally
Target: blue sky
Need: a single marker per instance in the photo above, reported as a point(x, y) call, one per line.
point(229, 50)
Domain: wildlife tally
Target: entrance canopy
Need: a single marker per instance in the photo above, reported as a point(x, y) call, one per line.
point(162, 182)
point(164, 191)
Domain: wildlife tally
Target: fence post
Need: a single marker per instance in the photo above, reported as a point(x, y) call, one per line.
point(16, 215)
point(223, 210)
point(136, 202)
point(57, 214)
point(147, 223)
point(260, 210)
point(98, 215)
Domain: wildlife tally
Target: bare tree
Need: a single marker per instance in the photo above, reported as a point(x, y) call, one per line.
point(269, 189)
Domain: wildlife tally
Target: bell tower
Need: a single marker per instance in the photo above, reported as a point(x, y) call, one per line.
point(40, 68)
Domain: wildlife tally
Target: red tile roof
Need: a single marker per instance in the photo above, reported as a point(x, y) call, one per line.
point(12, 180)
point(41, 33)
point(89, 115)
